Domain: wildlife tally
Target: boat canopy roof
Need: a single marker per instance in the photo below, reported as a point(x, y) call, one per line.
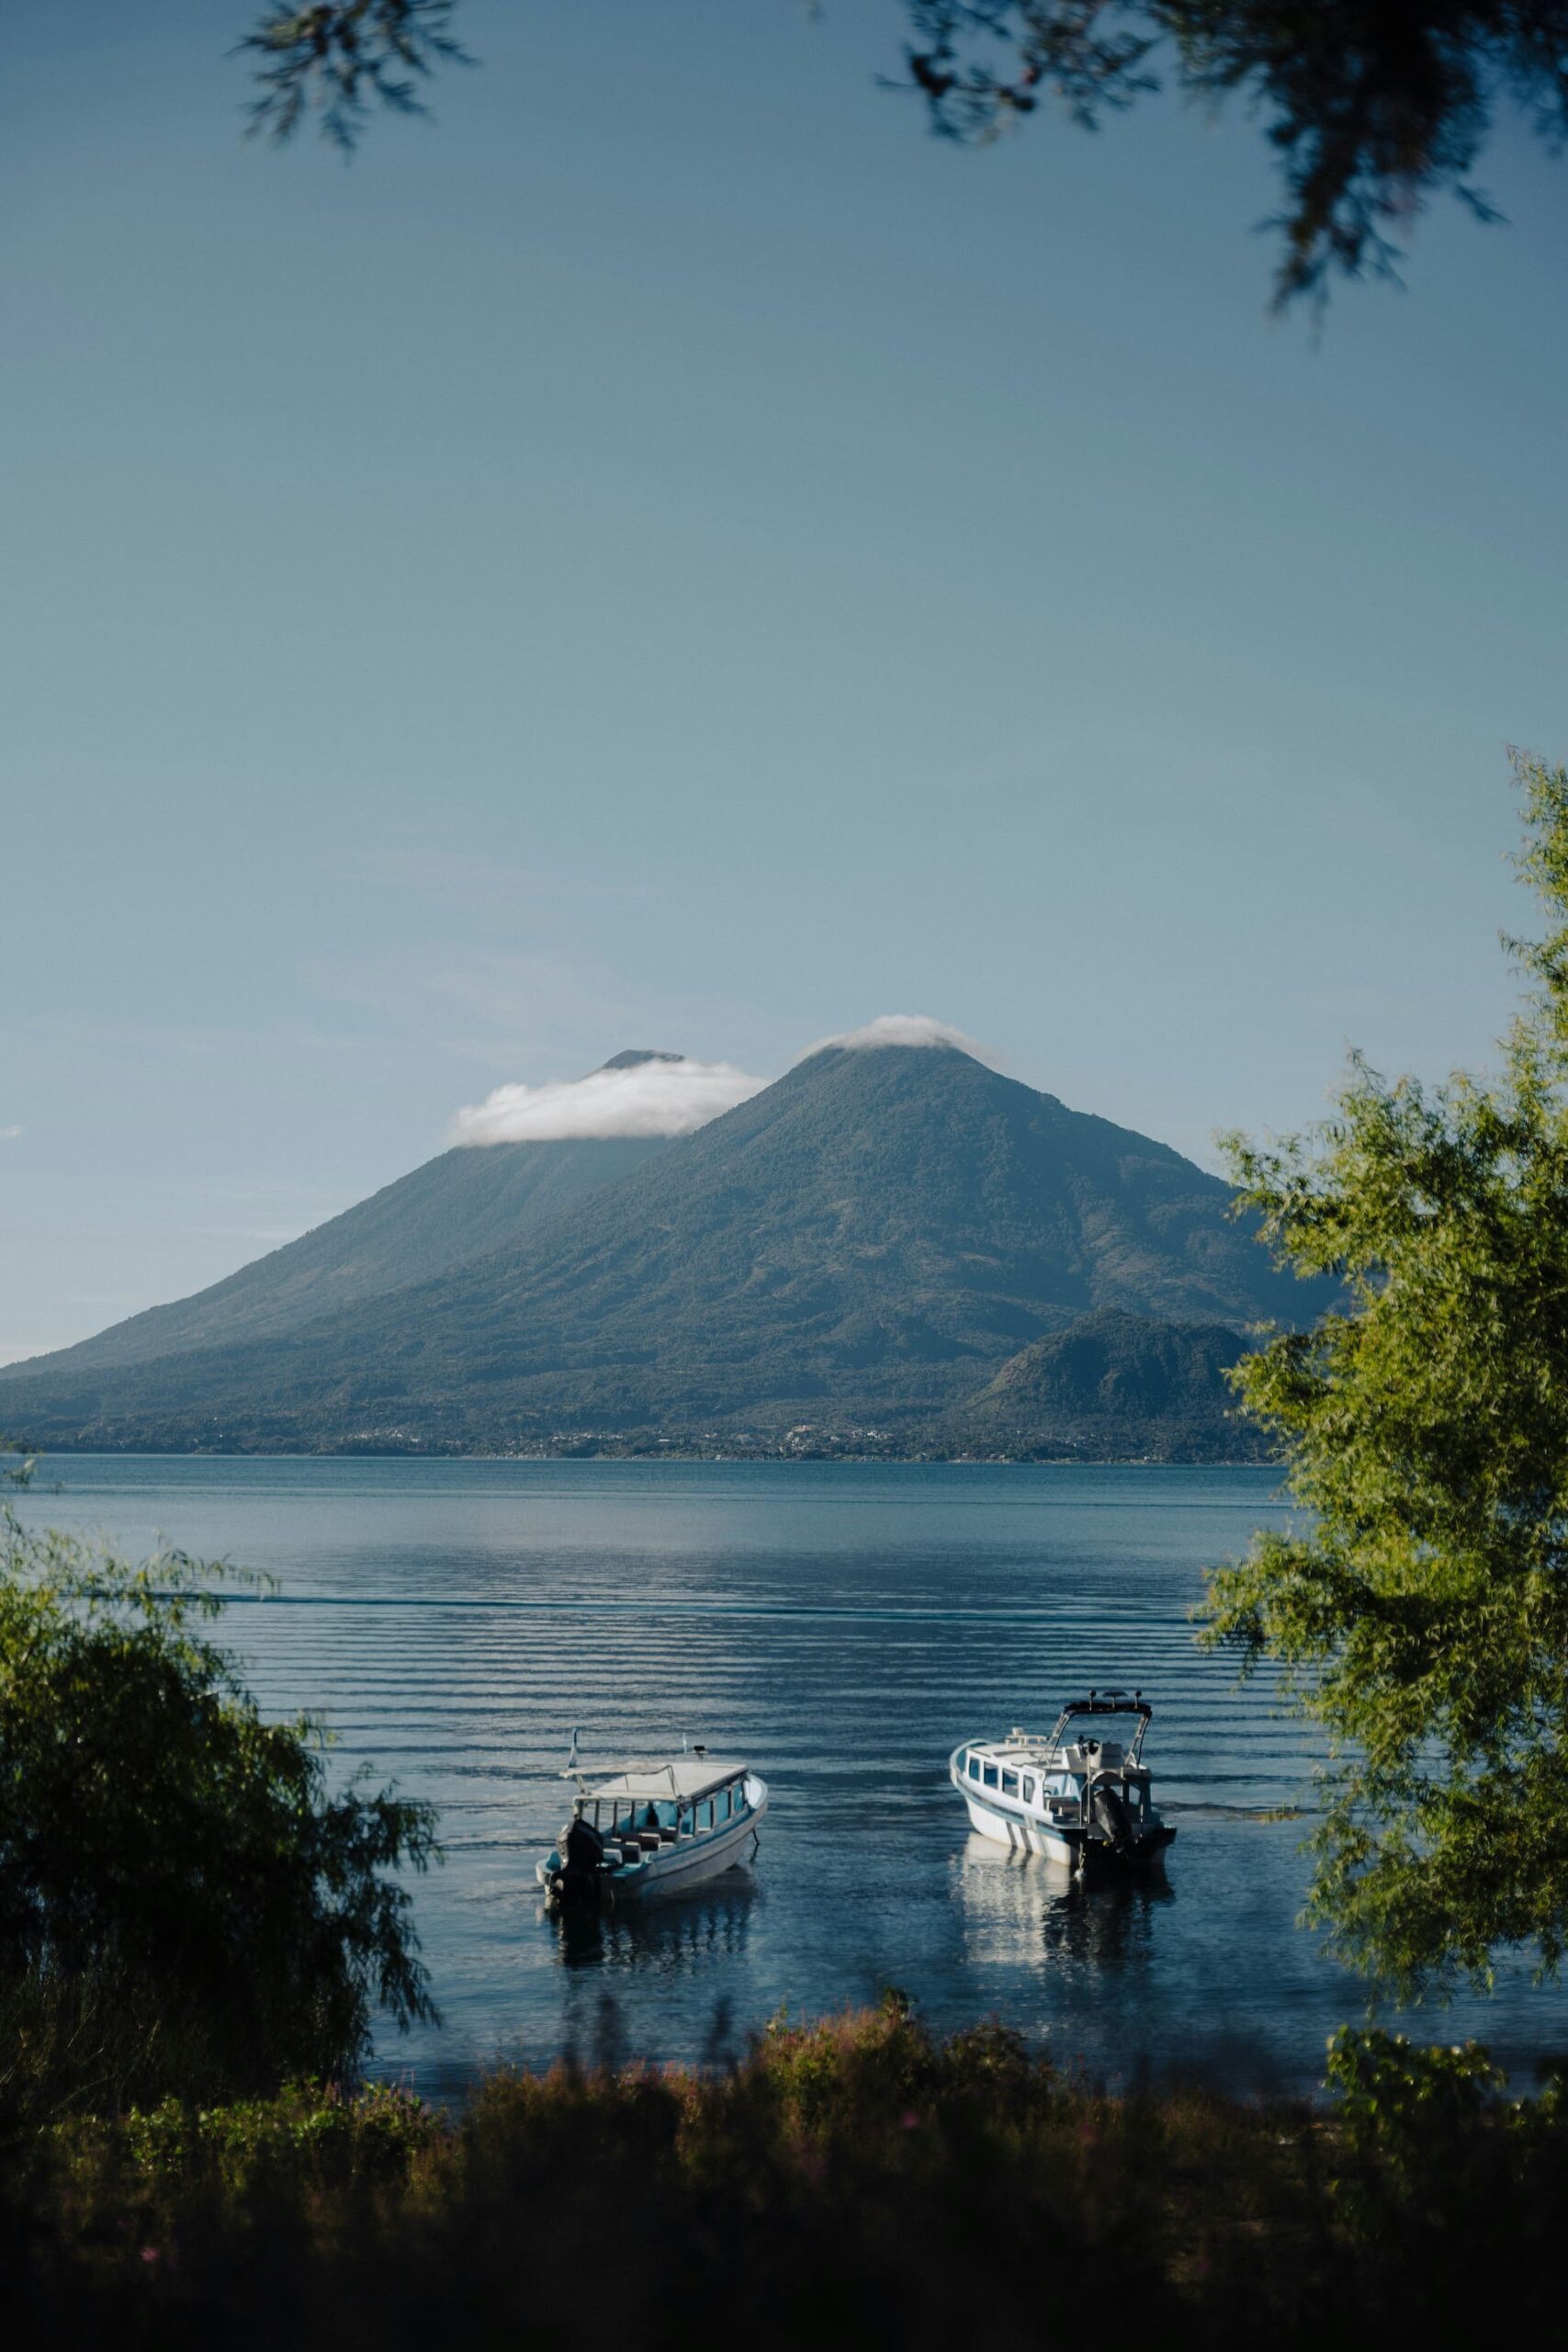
point(685, 1777)
point(1025, 1747)
point(1108, 1703)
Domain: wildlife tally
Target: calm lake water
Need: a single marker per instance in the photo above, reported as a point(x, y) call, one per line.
point(843, 1626)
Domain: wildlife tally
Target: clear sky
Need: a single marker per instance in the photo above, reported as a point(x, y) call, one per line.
point(670, 555)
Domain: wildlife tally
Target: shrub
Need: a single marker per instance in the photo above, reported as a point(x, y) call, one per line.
point(185, 1906)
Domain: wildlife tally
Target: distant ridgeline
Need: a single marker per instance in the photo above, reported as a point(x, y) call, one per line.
point(892, 1251)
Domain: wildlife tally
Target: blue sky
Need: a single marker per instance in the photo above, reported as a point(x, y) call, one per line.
point(672, 555)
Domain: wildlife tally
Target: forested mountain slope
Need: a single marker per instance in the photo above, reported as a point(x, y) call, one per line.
point(465, 1203)
point(1116, 1386)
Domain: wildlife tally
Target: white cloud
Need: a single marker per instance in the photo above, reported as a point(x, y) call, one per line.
point(902, 1029)
point(9, 1134)
point(652, 1098)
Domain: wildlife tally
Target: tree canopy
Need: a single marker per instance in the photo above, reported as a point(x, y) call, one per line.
point(1420, 1611)
point(184, 1903)
point(1371, 109)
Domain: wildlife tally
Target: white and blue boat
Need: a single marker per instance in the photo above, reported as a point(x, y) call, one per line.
point(1082, 1795)
point(653, 1829)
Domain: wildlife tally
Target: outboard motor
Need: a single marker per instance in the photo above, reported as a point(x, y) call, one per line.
point(1110, 1813)
point(582, 1850)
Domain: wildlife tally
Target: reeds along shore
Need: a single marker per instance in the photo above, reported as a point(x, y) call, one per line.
point(850, 2182)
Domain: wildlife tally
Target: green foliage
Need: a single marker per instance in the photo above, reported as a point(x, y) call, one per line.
point(184, 1906)
point(1431, 2157)
point(854, 2179)
point(1370, 108)
point(835, 2185)
point(339, 57)
point(304, 2134)
point(1397, 2096)
point(1420, 1609)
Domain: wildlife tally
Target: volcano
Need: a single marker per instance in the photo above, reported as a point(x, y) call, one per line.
point(868, 1241)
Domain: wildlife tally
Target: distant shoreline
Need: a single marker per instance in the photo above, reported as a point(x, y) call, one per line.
point(672, 1451)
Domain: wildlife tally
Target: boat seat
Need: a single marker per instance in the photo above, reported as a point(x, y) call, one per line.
point(666, 1837)
point(650, 1841)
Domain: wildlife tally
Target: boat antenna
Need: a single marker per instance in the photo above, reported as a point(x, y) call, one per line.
point(573, 1768)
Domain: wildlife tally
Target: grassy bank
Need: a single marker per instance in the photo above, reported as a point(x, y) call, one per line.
point(853, 2182)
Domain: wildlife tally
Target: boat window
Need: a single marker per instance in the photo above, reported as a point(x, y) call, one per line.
point(1029, 1788)
point(990, 1776)
point(1010, 1784)
point(974, 1768)
point(705, 1813)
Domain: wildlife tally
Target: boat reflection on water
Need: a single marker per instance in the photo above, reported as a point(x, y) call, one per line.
point(708, 1922)
point(1030, 1913)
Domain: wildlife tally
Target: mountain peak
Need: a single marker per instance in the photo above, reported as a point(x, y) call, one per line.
point(901, 1029)
point(940, 1049)
point(633, 1057)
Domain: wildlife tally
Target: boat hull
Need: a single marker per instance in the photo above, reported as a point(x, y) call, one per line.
point(1084, 1850)
point(673, 1869)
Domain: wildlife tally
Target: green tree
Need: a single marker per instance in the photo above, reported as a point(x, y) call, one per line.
point(1419, 1611)
point(1371, 107)
point(185, 1906)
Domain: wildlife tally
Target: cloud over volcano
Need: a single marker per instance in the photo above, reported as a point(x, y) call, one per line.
point(662, 1094)
point(637, 1094)
point(904, 1029)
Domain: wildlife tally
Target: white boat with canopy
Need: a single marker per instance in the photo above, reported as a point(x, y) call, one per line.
point(654, 1828)
point(1083, 1794)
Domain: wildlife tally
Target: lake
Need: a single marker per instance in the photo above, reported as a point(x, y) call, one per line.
point(843, 1626)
